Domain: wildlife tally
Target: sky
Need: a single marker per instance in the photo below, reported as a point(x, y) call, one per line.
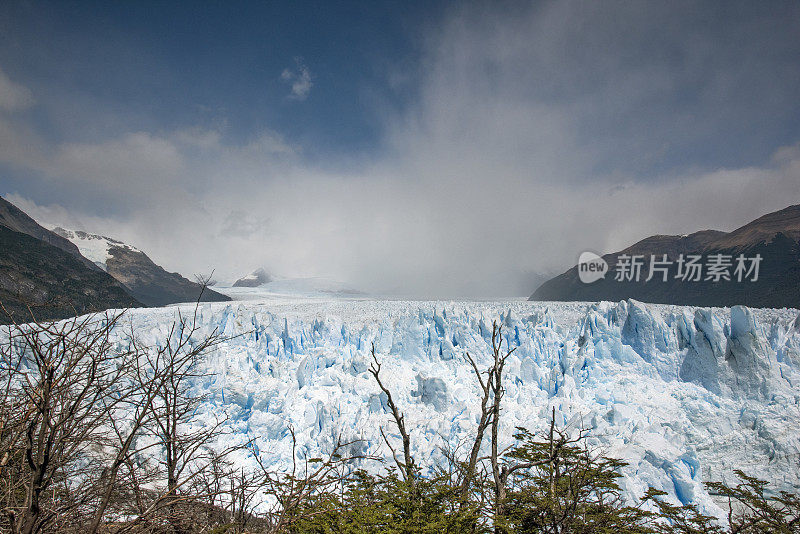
point(447, 149)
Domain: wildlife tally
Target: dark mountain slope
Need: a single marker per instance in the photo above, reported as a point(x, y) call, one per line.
point(53, 282)
point(148, 282)
point(15, 219)
point(775, 237)
point(151, 283)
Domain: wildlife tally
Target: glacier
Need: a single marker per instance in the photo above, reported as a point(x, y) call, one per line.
point(684, 395)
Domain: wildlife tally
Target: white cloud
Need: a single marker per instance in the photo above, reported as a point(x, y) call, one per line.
point(13, 96)
point(137, 159)
point(300, 80)
point(385, 231)
point(522, 150)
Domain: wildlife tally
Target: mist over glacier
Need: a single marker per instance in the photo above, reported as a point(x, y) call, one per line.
point(684, 395)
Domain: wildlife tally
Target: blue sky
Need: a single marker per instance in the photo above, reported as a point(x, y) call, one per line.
point(162, 65)
point(415, 147)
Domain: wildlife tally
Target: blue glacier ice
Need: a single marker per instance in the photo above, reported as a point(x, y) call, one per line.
point(684, 395)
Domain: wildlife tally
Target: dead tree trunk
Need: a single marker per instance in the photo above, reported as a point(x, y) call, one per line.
point(407, 467)
point(499, 473)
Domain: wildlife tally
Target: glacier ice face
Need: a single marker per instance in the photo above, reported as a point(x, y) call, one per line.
point(684, 395)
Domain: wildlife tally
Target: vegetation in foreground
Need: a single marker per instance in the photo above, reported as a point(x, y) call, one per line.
point(95, 437)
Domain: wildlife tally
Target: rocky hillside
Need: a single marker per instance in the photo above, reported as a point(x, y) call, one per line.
point(148, 282)
point(774, 238)
point(15, 219)
point(43, 276)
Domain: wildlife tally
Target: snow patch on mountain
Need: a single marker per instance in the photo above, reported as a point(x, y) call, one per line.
point(684, 395)
point(256, 278)
point(95, 248)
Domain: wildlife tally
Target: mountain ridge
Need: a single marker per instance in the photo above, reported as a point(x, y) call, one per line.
point(147, 281)
point(15, 219)
point(775, 237)
point(43, 277)
point(256, 278)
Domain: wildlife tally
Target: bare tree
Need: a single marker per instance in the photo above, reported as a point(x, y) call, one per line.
point(62, 379)
point(293, 492)
point(499, 473)
point(407, 467)
point(182, 451)
point(75, 402)
point(501, 467)
point(148, 372)
point(489, 409)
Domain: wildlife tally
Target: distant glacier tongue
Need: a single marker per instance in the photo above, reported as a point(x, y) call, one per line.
point(684, 395)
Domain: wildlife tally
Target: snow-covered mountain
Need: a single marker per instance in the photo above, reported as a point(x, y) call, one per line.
point(145, 280)
point(43, 275)
point(96, 248)
point(684, 395)
point(256, 278)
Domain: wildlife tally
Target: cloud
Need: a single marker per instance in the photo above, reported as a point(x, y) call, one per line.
point(13, 96)
point(137, 159)
point(243, 225)
point(535, 133)
point(300, 80)
point(386, 233)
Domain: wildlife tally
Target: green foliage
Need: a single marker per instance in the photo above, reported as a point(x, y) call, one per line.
point(562, 487)
point(567, 489)
point(387, 504)
point(222, 529)
point(672, 519)
point(752, 511)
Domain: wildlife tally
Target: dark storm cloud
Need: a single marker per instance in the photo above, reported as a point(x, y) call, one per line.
point(534, 132)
